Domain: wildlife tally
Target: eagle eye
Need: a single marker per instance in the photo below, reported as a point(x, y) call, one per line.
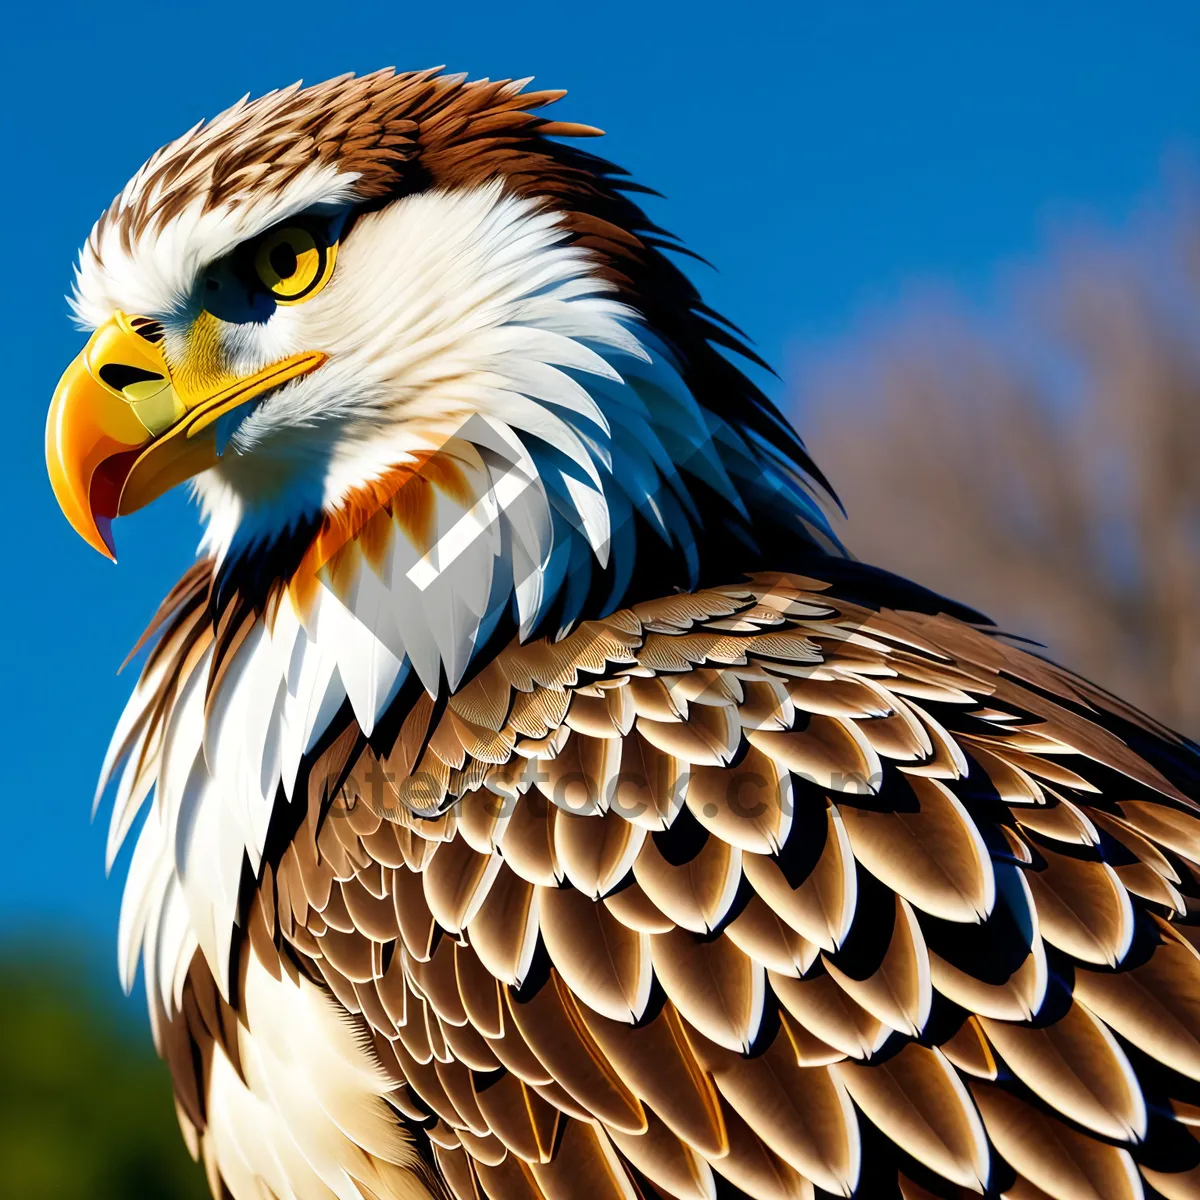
point(292, 262)
point(288, 264)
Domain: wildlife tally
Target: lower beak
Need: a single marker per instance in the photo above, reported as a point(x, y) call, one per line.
point(122, 431)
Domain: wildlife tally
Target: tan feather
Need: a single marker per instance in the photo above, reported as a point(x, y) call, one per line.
point(595, 852)
point(527, 844)
point(657, 1062)
point(392, 990)
point(672, 655)
point(1064, 1164)
point(669, 1164)
point(457, 881)
point(584, 1167)
point(582, 778)
point(551, 1024)
point(932, 855)
point(372, 1009)
point(803, 1114)
point(349, 953)
point(947, 760)
point(1178, 831)
point(652, 700)
point(1017, 846)
point(610, 715)
point(631, 906)
point(1061, 820)
point(423, 1079)
point(315, 878)
point(716, 987)
point(467, 1045)
point(605, 963)
point(417, 850)
point(826, 1011)
point(749, 806)
point(1020, 996)
point(766, 704)
point(1139, 879)
point(383, 846)
point(709, 737)
point(1082, 908)
point(697, 894)
point(1013, 785)
point(917, 1099)
point(485, 700)
point(335, 914)
point(514, 1053)
point(809, 1050)
point(374, 916)
point(650, 787)
point(853, 699)
point(455, 1078)
point(1182, 1185)
point(1076, 1065)
point(504, 931)
point(535, 713)
point(704, 685)
point(970, 1051)
point(821, 908)
point(482, 744)
point(899, 737)
point(756, 1170)
point(414, 1032)
point(1048, 769)
point(486, 1151)
point(828, 752)
point(758, 932)
point(482, 818)
point(455, 1168)
point(510, 1179)
point(1156, 1006)
point(479, 992)
point(1137, 844)
point(519, 1117)
point(437, 981)
point(899, 991)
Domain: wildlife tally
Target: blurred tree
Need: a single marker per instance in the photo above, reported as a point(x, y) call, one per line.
point(1043, 469)
point(85, 1107)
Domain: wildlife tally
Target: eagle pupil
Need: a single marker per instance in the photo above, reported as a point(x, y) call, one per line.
point(283, 260)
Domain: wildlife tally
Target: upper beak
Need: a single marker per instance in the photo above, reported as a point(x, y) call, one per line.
point(122, 430)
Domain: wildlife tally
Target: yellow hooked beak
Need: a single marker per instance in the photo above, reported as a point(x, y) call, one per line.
point(123, 429)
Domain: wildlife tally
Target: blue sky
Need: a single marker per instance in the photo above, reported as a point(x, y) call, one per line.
point(827, 157)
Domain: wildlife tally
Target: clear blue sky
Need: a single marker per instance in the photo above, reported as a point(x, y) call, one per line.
point(822, 155)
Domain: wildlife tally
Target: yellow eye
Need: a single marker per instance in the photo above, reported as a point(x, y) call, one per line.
point(292, 265)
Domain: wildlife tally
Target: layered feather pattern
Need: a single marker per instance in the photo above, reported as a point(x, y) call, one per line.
point(756, 885)
point(489, 850)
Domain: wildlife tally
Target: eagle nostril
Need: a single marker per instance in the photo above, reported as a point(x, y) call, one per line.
point(118, 376)
point(144, 327)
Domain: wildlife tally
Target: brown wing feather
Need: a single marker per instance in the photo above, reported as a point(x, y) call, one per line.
point(756, 891)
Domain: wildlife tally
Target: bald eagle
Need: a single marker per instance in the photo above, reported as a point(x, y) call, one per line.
point(536, 801)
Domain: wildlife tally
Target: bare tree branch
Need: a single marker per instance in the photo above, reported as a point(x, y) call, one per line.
point(1057, 488)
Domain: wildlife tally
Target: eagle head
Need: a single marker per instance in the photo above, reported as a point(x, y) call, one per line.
point(326, 293)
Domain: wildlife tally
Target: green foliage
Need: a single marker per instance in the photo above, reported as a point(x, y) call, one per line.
point(85, 1106)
